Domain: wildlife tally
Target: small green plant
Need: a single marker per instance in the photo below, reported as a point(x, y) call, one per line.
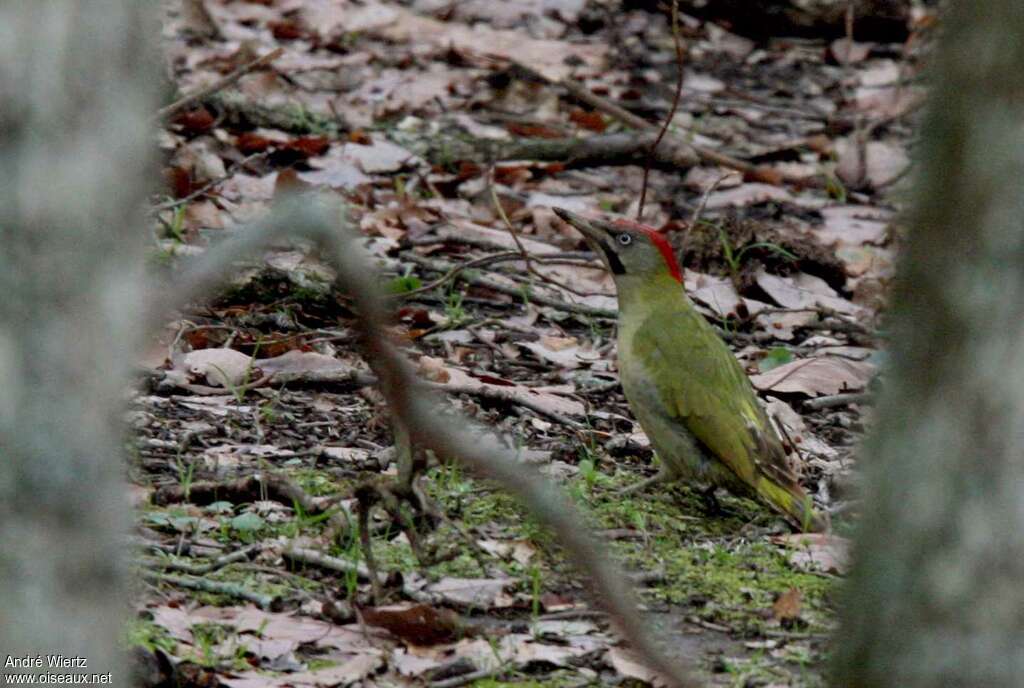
point(588, 470)
point(302, 521)
point(775, 357)
point(268, 412)
point(404, 283)
point(352, 553)
point(535, 592)
point(524, 294)
point(205, 639)
point(733, 256)
point(454, 311)
point(143, 633)
point(247, 526)
point(834, 187)
point(176, 227)
point(186, 475)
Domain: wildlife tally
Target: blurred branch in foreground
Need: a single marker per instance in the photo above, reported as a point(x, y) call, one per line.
point(415, 408)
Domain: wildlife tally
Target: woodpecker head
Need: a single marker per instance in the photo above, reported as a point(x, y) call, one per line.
point(627, 248)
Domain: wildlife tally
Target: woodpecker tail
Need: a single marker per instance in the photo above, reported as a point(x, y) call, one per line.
point(793, 503)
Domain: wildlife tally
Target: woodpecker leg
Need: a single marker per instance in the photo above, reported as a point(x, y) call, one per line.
point(711, 503)
point(663, 476)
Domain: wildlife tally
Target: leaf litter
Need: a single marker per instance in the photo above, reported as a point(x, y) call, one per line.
point(794, 274)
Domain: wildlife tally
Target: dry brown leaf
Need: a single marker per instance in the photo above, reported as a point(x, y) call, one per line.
point(551, 58)
point(626, 663)
point(817, 551)
point(787, 606)
point(747, 194)
point(353, 669)
point(433, 369)
point(459, 228)
point(565, 352)
point(878, 165)
point(816, 376)
point(480, 593)
point(296, 362)
point(846, 51)
point(854, 225)
point(801, 290)
point(217, 367)
point(416, 624)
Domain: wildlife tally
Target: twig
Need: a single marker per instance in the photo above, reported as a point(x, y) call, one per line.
point(484, 281)
point(312, 557)
point(672, 111)
point(698, 212)
point(219, 85)
point(202, 569)
point(466, 679)
point(495, 393)
point(451, 274)
point(699, 153)
point(519, 245)
point(836, 400)
point(172, 204)
point(413, 407)
point(269, 602)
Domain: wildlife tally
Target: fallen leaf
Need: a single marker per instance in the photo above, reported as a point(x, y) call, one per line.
point(418, 624)
point(565, 352)
point(787, 606)
point(846, 51)
point(816, 376)
point(218, 367)
point(854, 225)
point(354, 669)
point(801, 290)
point(381, 157)
point(817, 551)
point(296, 362)
point(433, 369)
point(627, 664)
point(880, 164)
point(551, 58)
point(747, 194)
point(481, 593)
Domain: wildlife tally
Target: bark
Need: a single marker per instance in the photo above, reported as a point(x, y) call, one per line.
point(77, 83)
point(936, 597)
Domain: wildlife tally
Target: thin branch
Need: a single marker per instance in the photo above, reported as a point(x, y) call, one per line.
point(750, 171)
point(268, 602)
point(416, 410)
point(445, 267)
point(202, 191)
point(672, 111)
point(219, 85)
point(519, 245)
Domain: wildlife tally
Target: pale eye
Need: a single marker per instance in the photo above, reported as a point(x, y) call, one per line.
point(625, 239)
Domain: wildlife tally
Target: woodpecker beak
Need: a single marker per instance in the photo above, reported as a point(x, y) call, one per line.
point(591, 230)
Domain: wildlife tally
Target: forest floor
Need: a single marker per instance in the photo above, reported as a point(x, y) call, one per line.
point(450, 130)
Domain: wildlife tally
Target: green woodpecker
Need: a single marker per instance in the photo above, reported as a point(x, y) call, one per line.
point(686, 389)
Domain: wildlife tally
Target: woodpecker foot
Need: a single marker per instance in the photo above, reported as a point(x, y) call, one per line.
point(711, 504)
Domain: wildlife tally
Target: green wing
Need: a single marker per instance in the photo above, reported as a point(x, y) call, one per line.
point(711, 395)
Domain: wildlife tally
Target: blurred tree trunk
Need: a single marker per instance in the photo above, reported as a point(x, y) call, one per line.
point(77, 84)
point(937, 594)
